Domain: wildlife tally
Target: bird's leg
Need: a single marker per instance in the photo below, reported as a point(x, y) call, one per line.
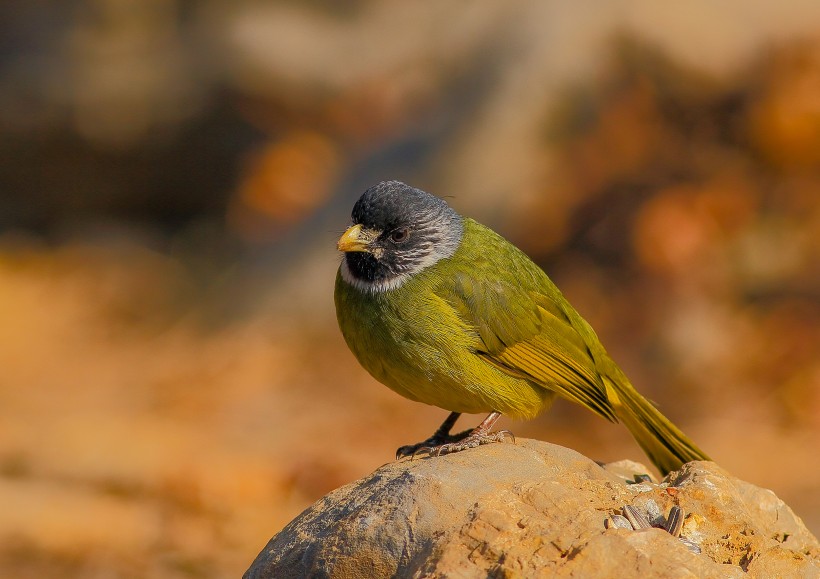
point(440, 436)
point(481, 434)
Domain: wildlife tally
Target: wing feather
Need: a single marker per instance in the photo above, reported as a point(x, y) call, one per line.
point(528, 335)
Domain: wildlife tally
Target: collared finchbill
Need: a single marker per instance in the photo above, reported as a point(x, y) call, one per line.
point(481, 328)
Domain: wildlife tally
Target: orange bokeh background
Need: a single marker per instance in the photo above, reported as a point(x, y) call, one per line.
point(173, 387)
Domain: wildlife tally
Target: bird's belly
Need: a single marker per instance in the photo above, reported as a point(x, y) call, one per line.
point(466, 384)
point(517, 398)
point(434, 361)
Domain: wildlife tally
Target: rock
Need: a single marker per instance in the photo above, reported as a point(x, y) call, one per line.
point(535, 509)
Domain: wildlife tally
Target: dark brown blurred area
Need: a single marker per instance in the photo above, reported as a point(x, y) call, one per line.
point(174, 175)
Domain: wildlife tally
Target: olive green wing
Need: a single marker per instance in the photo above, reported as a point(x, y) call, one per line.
point(525, 332)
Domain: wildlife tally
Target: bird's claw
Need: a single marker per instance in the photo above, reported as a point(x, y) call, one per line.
point(422, 449)
point(442, 442)
point(431, 443)
point(408, 450)
point(473, 440)
point(457, 443)
point(411, 450)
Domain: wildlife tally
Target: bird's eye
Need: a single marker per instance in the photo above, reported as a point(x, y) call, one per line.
point(400, 235)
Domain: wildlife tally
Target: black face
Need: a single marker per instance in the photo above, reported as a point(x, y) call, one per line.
point(415, 229)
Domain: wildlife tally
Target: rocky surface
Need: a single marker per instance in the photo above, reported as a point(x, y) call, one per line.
point(536, 509)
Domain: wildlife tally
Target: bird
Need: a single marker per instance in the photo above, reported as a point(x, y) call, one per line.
point(445, 311)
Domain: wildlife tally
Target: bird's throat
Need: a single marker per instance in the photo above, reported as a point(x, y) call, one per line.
point(368, 273)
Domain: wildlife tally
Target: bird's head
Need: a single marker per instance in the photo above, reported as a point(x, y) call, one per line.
point(397, 231)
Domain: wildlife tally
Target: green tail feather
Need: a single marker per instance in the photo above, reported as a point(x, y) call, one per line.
point(666, 446)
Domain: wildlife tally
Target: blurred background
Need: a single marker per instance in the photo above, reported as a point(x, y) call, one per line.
point(175, 174)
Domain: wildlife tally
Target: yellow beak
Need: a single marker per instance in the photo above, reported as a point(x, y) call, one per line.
point(354, 239)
